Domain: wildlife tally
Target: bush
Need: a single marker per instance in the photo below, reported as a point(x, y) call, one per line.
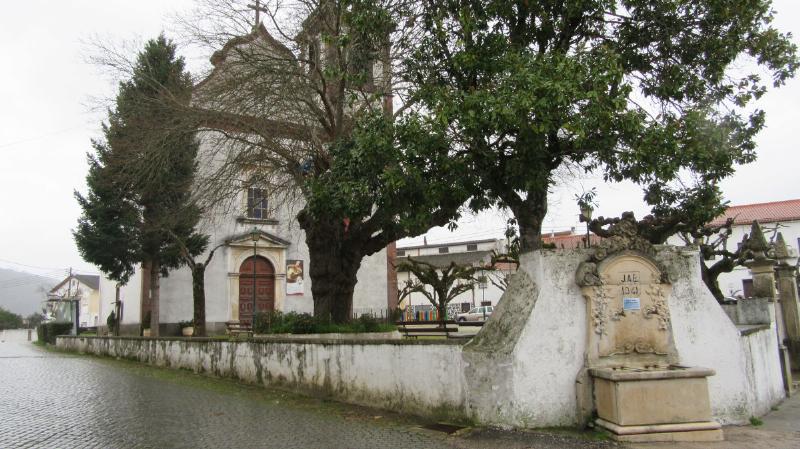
point(184, 324)
point(111, 321)
point(366, 323)
point(47, 332)
point(264, 322)
point(304, 323)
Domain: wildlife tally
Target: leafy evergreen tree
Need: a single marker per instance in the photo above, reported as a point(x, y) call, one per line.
point(138, 203)
point(643, 90)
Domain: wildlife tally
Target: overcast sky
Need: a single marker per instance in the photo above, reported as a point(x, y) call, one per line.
point(46, 123)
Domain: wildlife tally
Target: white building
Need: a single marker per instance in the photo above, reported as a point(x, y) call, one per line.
point(774, 217)
point(476, 253)
point(83, 288)
point(279, 254)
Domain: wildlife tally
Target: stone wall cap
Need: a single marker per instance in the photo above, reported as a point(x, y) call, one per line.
point(632, 374)
point(285, 340)
point(747, 329)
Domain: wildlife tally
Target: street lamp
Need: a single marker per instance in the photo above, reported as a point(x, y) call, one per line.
point(255, 234)
point(586, 216)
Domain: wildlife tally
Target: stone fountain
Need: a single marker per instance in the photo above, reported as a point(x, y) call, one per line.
point(638, 387)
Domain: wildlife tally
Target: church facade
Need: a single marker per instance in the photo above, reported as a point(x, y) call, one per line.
point(260, 260)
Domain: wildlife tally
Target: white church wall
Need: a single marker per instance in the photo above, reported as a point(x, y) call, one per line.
point(222, 284)
point(129, 295)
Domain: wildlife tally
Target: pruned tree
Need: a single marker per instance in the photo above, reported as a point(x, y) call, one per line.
point(439, 285)
point(640, 90)
point(687, 213)
point(717, 257)
point(496, 269)
point(140, 179)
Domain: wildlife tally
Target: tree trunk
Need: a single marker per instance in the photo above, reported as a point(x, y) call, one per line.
point(333, 268)
point(711, 282)
point(442, 311)
point(530, 215)
point(155, 294)
point(711, 274)
point(199, 299)
point(117, 313)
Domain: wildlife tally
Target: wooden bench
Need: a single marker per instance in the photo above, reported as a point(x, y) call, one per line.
point(416, 329)
point(236, 328)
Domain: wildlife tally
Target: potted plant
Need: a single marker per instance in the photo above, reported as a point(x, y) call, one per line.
point(187, 328)
point(146, 325)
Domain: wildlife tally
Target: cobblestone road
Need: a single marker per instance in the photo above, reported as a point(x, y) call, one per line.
point(54, 400)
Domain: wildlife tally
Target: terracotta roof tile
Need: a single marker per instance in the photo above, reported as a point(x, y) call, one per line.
point(788, 210)
point(570, 241)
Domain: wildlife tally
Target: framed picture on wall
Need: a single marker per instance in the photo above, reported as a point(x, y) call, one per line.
point(295, 274)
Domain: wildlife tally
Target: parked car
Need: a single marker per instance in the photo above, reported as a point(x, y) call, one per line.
point(476, 314)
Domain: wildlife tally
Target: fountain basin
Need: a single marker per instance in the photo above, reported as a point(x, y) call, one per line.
point(667, 403)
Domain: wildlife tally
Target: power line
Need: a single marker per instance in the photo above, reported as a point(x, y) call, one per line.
point(23, 280)
point(47, 268)
point(31, 266)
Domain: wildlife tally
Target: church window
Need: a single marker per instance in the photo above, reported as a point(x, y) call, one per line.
point(257, 203)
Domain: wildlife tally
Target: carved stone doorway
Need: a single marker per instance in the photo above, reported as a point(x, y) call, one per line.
point(264, 287)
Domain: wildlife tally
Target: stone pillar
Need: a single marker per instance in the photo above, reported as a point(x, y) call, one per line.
point(763, 273)
point(786, 272)
point(762, 268)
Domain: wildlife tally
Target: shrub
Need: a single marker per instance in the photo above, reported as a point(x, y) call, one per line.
point(304, 323)
point(47, 332)
point(265, 322)
point(184, 324)
point(111, 321)
point(366, 323)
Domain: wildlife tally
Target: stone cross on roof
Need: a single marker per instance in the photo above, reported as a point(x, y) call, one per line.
point(258, 9)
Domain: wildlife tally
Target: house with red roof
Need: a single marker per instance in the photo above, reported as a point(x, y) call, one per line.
point(774, 217)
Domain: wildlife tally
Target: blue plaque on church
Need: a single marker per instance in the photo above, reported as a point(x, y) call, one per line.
point(631, 304)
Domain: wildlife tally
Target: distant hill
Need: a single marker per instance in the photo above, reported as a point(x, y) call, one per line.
point(23, 293)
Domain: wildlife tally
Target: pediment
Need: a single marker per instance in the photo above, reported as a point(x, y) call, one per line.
point(263, 42)
point(265, 239)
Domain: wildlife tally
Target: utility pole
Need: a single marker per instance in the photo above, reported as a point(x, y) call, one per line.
point(74, 303)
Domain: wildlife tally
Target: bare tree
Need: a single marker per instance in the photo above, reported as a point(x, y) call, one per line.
point(303, 102)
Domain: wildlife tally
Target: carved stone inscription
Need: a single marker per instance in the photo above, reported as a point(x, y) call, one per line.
point(629, 313)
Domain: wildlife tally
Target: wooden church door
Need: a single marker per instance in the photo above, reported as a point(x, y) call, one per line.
point(264, 287)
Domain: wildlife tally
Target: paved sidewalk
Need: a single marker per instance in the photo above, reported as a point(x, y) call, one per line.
point(59, 400)
point(781, 430)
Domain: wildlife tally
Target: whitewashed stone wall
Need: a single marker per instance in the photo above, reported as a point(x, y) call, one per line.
point(521, 370)
point(413, 377)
